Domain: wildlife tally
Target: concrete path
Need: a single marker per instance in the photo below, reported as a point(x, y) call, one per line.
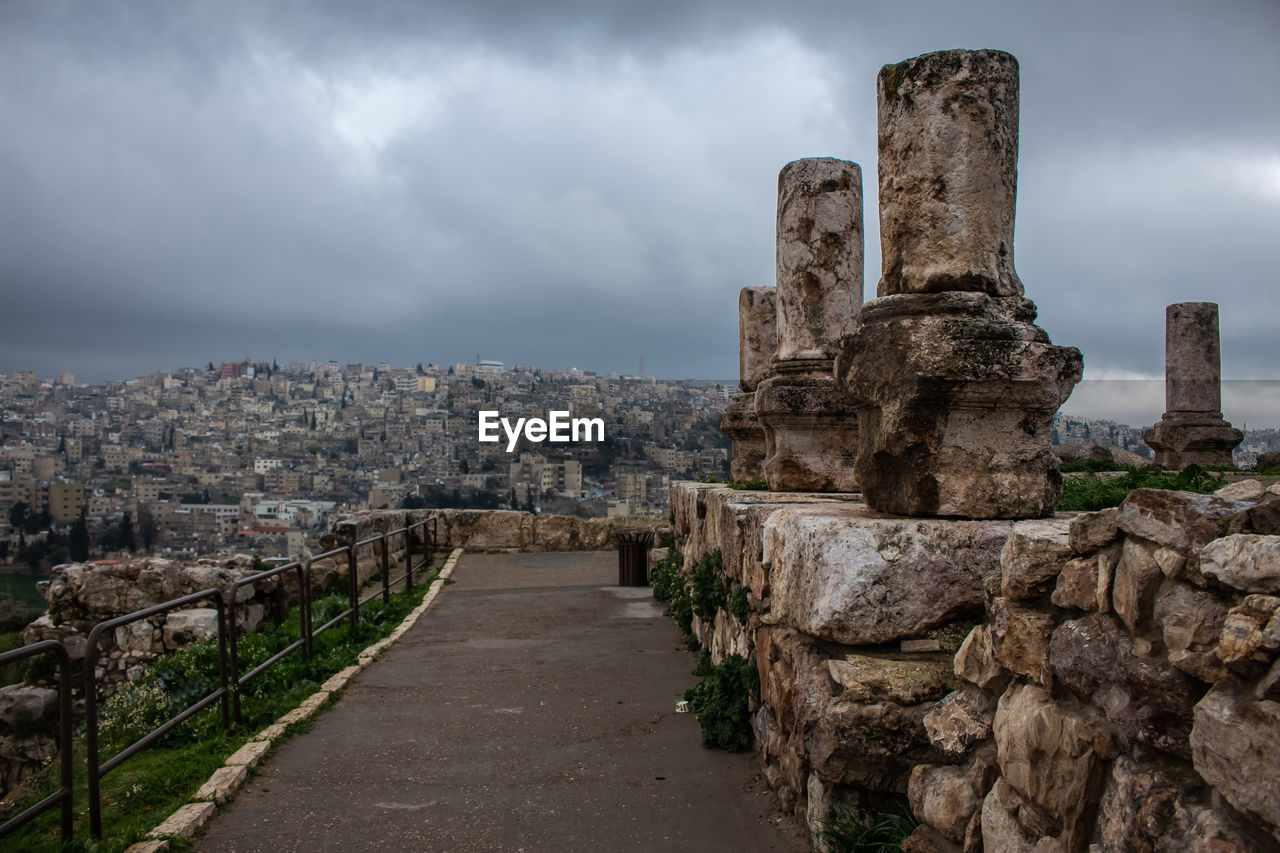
point(531, 709)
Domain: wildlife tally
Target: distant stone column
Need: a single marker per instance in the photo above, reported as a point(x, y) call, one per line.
point(954, 385)
point(757, 340)
point(1192, 428)
point(810, 432)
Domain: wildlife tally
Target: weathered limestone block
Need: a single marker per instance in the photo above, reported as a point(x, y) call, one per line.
point(1033, 556)
point(1234, 749)
point(811, 434)
point(842, 574)
point(1183, 522)
point(1143, 697)
point(942, 797)
point(1246, 561)
point(1192, 429)
point(741, 424)
point(1191, 621)
point(1149, 807)
point(1020, 637)
point(1090, 531)
point(1012, 823)
point(1250, 635)
point(1243, 490)
point(1137, 578)
point(976, 662)
point(953, 383)
point(872, 746)
point(907, 682)
point(1085, 583)
point(188, 626)
point(1054, 755)
point(960, 720)
point(1264, 517)
point(557, 532)
point(1117, 456)
point(490, 530)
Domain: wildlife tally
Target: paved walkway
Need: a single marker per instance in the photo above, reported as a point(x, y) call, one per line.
point(531, 709)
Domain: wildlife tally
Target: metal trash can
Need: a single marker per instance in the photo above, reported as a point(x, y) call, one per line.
point(633, 558)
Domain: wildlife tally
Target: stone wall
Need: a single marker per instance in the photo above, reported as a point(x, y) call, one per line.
point(506, 531)
point(1105, 679)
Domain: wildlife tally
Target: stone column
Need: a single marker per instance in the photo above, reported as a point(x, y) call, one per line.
point(810, 432)
point(1192, 428)
point(954, 385)
point(757, 340)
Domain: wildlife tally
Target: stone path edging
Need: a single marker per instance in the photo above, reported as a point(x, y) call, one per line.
point(222, 786)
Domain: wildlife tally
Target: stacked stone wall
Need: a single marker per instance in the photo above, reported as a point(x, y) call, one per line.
point(1098, 681)
point(501, 531)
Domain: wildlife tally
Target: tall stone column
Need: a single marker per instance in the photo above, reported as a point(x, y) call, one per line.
point(757, 340)
point(1192, 428)
point(954, 385)
point(810, 432)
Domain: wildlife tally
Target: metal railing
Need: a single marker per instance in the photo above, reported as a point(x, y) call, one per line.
point(63, 794)
point(230, 681)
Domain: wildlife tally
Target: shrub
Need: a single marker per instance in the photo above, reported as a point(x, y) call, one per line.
point(722, 703)
point(707, 580)
point(134, 711)
point(740, 605)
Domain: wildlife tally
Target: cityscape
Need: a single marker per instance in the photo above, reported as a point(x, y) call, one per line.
point(244, 456)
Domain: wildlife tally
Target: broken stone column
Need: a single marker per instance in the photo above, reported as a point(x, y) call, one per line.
point(757, 340)
point(1192, 428)
point(954, 385)
point(810, 432)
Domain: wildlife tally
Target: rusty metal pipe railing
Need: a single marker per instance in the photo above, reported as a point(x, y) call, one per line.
point(229, 679)
point(99, 769)
point(304, 641)
point(63, 795)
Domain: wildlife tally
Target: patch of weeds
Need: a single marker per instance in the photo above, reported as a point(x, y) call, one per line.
point(722, 703)
point(704, 667)
point(707, 580)
point(664, 578)
point(867, 830)
point(1091, 492)
point(740, 605)
point(751, 486)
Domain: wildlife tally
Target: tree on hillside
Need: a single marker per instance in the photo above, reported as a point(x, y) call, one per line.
point(78, 541)
point(146, 528)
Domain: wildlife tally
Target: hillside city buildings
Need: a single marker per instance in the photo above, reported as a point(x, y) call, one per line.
point(254, 457)
point(245, 456)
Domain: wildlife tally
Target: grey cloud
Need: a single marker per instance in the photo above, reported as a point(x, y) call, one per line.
point(591, 182)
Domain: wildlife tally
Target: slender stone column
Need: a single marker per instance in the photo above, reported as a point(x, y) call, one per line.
point(757, 340)
point(810, 432)
point(1192, 428)
point(954, 385)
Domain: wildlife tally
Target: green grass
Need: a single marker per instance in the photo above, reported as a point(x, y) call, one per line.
point(867, 831)
point(144, 790)
point(1091, 492)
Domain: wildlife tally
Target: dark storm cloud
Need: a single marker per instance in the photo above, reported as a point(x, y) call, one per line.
point(583, 183)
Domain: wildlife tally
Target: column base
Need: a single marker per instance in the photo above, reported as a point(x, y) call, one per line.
point(1184, 438)
point(811, 433)
point(743, 428)
point(955, 394)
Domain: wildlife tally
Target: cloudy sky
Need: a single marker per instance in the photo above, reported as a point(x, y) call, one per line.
point(583, 182)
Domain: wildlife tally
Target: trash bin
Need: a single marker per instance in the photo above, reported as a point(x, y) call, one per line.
point(633, 558)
